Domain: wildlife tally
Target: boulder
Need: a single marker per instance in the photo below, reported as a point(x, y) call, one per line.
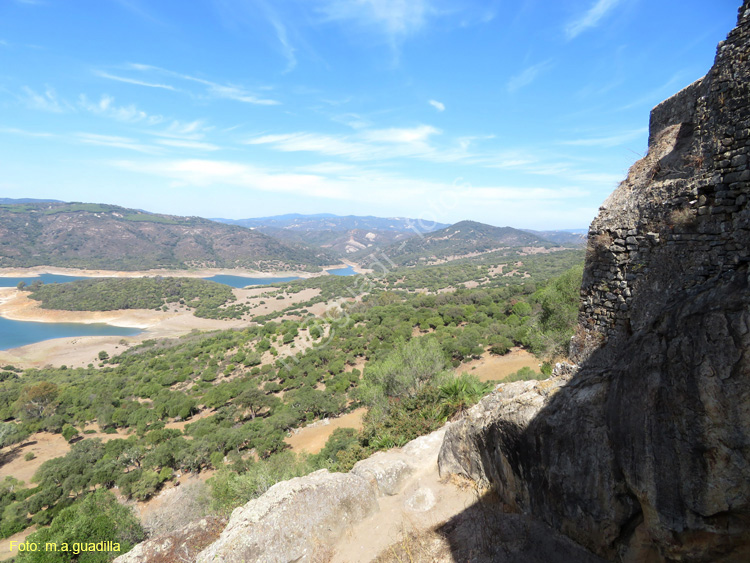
point(181, 545)
point(386, 471)
point(293, 519)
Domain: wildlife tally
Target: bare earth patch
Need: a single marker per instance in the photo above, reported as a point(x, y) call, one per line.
point(5, 552)
point(313, 438)
point(492, 368)
point(44, 446)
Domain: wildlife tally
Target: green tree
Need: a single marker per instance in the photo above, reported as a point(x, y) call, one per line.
point(69, 432)
point(407, 369)
point(38, 400)
point(96, 518)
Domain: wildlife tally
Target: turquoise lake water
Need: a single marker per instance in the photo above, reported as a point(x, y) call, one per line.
point(44, 278)
point(348, 271)
point(20, 333)
point(242, 281)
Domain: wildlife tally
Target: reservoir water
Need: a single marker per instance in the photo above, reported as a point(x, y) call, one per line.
point(44, 278)
point(348, 271)
point(242, 281)
point(20, 333)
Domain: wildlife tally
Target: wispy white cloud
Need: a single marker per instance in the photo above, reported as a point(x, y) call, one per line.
point(371, 144)
point(394, 18)
point(286, 47)
point(437, 105)
point(608, 141)
point(14, 131)
point(345, 184)
point(134, 81)
point(4, 43)
point(591, 18)
point(412, 135)
point(137, 9)
point(659, 93)
point(187, 131)
point(48, 101)
point(527, 76)
point(353, 120)
point(116, 142)
point(106, 107)
point(193, 145)
point(213, 89)
point(314, 142)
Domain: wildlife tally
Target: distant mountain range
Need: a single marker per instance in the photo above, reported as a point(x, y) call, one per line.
point(565, 237)
point(344, 235)
point(91, 235)
point(330, 222)
point(463, 239)
point(11, 201)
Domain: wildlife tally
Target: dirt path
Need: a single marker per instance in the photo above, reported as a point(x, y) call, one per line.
point(423, 502)
point(204, 273)
point(44, 446)
point(493, 368)
point(5, 552)
point(313, 438)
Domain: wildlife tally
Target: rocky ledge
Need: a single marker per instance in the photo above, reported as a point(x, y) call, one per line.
point(644, 455)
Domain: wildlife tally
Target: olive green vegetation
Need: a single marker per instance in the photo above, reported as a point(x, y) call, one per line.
point(70, 235)
point(253, 394)
point(207, 299)
point(93, 519)
point(485, 270)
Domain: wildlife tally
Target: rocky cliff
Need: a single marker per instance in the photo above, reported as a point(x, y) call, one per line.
point(644, 454)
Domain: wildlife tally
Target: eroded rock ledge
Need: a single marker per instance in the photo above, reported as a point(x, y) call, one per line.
point(644, 455)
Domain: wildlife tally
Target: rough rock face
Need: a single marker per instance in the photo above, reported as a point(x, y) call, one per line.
point(293, 518)
point(181, 545)
point(645, 453)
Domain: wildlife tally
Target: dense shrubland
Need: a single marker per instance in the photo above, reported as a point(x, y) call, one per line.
point(251, 386)
point(207, 299)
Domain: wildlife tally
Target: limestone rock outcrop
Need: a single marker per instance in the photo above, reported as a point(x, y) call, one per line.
point(645, 453)
point(293, 519)
point(183, 544)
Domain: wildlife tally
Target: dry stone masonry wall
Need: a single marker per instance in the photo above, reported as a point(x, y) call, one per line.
point(680, 219)
point(644, 454)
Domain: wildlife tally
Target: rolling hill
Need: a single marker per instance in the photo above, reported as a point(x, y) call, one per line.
point(463, 239)
point(339, 242)
point(572, 237)
point(330, 222)
point(90, 235)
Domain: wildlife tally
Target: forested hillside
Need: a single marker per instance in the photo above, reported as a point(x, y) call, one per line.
point(88, 235)
point(465, 238)
point(242, 390)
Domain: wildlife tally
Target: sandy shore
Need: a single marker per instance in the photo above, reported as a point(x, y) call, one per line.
point(202, 273)
point(82, 350)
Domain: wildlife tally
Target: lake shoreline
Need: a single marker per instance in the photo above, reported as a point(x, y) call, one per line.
point(198, 273)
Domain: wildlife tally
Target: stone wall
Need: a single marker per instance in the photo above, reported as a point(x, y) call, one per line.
point(680, 219)
point(644, 455)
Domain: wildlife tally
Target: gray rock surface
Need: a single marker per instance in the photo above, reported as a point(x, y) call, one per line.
point(180, 545)
point(386, 472)
point(645, 454)
point(293, 519)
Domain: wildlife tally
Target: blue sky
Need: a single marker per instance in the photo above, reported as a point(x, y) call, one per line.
point(525, 113)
